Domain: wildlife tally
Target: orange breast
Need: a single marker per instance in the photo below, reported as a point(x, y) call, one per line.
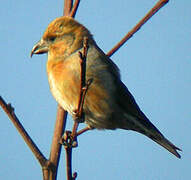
point(64, 80)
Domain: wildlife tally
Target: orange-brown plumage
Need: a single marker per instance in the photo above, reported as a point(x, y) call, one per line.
point(108, 103)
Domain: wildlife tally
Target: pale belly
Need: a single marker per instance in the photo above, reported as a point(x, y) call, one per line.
point(61, 98)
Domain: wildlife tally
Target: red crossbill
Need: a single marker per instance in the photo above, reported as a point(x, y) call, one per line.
point(108, 103)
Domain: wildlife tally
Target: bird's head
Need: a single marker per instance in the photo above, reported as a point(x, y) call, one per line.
point(64, 35)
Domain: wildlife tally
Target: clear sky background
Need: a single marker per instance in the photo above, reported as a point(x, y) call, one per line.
point(155, 65)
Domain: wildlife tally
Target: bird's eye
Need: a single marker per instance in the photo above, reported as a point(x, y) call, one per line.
point(52, 38)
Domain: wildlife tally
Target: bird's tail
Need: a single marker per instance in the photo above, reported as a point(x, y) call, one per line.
point(167, 145)
point(145, 127)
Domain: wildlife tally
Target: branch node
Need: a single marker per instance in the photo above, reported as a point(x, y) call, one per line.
point(10, 108)
point(74, 176)
point(68, 140)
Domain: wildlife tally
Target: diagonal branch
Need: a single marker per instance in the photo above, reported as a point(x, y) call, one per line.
point(157, 6)
point(74, 9)
point(9, 110)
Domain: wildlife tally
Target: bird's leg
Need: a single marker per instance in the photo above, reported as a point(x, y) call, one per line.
point(68, 141)
point(84, 130)
point(74, 129)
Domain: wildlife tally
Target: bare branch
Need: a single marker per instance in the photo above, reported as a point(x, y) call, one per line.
point(78, 114)
point(67, 7)
point(83, 85)
point(157, 6)
point(68, 145)
point(12, 116)
point(75, 8)
point(58, 132)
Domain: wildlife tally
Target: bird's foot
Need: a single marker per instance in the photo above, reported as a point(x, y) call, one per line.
point(68, 140)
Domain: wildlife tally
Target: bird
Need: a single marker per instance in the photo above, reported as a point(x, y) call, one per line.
point(108, 104)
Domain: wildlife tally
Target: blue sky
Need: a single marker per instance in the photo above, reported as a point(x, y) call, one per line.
point(155, 65)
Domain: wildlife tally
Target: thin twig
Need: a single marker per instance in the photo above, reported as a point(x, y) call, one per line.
point(68, 141)
point(70, 138)
point(69, 163)
point(67, 7)
point(157, 6)
point(83, 85)
point(74, 9)
point(12, 116)
point(78, 117)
